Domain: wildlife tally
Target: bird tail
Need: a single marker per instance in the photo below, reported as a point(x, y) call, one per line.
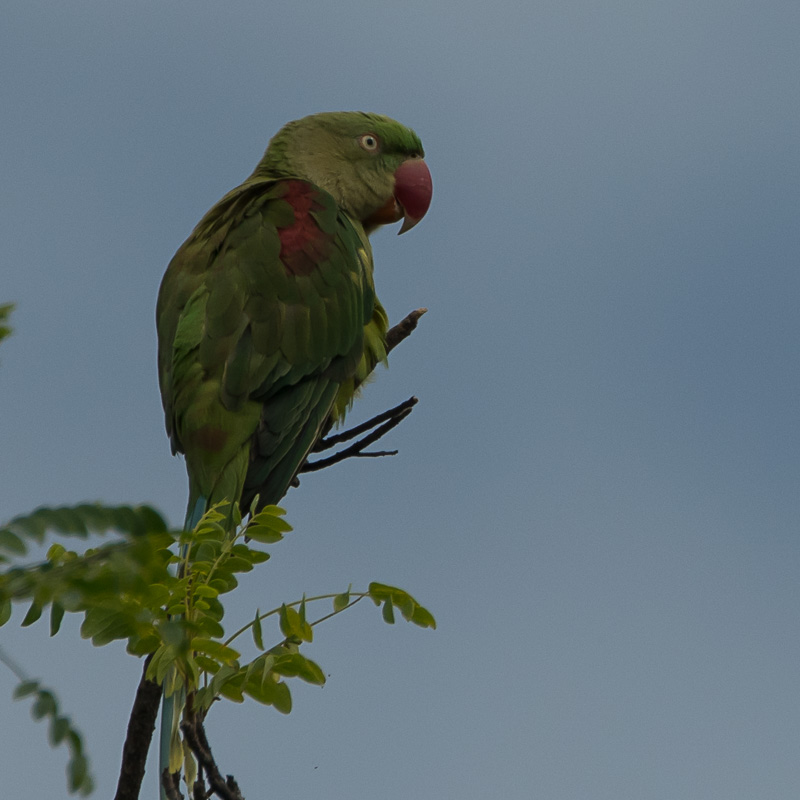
point(171, 706)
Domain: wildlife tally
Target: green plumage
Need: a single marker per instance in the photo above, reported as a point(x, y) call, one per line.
point(267, 316)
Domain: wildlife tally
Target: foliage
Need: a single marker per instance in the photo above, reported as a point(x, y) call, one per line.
point(161, 591)
point(61, 731)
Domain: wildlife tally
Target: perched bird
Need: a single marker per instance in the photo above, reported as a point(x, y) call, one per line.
point(267, 316)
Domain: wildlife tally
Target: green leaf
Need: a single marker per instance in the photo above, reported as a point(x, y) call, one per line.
point(97, 620)
point(34, 612)
point(163, 660)
point(217, 650)
point(87, 518)
point(232, 692)
point(222, 586)
point(388, 612)
point(295, 665)
point(258, 636)
point(207, 664)
point(409, 607)
point(258, 556)
point(238, 564)
point(292, 624)
point(120, 627)
point(270, 692)
point(25, 688)
point(10, 542)
point(210, 628)
point(423, 618)
point(45, 705)
point(286, 620)
point(380, 591)
point(5, 611)
point(271, 516)
point(59, 728)
point(77, 770)
point(341, 601)
point(263, 534)
point(60, 731)
point(143, 645)
point(207, 552)
point(228, 683)
point(189, 765)
point(56, 615)
point(158, 595)
point(56, 552)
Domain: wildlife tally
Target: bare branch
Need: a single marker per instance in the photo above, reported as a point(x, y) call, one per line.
point(171, 783)
point(356, 450)
point(346, 436)
point(403, 329)
point(195, 736)
point(141, 724)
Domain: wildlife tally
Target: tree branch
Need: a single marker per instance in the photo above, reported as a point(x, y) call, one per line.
point(403, 329)
point(195, 736)
point(331, 441)
point(171, 781)
point(356, 450)
point(141, 725)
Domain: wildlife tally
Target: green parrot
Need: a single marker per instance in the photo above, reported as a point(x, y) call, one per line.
point(267, 316)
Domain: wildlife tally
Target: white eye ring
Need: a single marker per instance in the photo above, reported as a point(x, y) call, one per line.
point(369, 142)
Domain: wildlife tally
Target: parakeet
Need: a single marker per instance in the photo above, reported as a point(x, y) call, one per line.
point(267, 316)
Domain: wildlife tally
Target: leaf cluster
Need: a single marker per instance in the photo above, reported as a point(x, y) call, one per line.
point(162, 592)
point(112, 581)
point(61, 731)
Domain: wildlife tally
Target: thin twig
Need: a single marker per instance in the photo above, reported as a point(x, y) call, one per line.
point(403, 329)
point(195, 737)
point(12, 665)
point(356, 450)
point(334, 613)
point(351, 433)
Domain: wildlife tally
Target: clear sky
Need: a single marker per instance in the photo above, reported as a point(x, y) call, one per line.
point(598, 493)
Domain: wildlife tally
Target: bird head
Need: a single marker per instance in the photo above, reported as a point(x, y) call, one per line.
point(372, 165)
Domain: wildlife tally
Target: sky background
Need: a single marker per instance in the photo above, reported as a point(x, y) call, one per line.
point(597, 495)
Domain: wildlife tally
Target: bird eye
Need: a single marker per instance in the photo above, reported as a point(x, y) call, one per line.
point(369, 141)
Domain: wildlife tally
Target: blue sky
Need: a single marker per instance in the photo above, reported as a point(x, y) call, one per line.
point(598, 493)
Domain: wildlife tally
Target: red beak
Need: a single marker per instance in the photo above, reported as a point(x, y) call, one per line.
point(413, 190)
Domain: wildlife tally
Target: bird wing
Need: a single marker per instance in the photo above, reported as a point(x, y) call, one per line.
point(261, 318)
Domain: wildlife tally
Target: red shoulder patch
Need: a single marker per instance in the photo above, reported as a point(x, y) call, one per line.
point(303, 244)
